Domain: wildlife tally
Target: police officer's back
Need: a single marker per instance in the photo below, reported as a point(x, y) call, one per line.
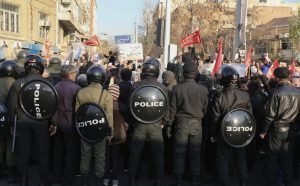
point(188, 106)
point(8, 70)
point(230, 98)
point(149, 131)
point(282, 109)
point(54, 69)
point(96, 94)
point(29, 131)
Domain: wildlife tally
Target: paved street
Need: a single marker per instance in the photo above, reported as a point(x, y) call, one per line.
point(255, 178)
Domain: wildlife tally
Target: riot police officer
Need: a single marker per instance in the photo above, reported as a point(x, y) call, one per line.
point(282, 108)
point(228, 99)
point(150, 131)
point(8, 72)
point(29, 131)
point(54, 70)
point(188, 106)
point(21, 56)
point(95, 93)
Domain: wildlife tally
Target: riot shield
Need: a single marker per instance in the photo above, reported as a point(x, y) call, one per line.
point(4, 125)
point(238, 128)
point(38, 99)
point(148, 104)
point(91, 122)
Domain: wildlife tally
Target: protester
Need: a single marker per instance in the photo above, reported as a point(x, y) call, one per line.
point(65, 142)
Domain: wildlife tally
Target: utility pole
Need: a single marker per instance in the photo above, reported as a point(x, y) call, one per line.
point(167, 32)
point(136, 33)
point(240, 27)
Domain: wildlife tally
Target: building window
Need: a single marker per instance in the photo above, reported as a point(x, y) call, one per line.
point(9, 17)
point(285, 45)
point(44, 25)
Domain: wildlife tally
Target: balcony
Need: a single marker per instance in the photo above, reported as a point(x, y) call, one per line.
point(69, 22)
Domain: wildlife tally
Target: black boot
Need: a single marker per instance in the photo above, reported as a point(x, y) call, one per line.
point(157, 182)
point(12, 174)
point(24, 180)
point(85, 180)
point(195, 181)
point(179, 181)
point(243, 183)
point(132, 182)
point(99, 181)
point(44, 181)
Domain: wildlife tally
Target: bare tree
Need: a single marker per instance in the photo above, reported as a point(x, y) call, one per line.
point(149, 25)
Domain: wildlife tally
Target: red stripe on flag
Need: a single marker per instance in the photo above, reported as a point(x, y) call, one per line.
point(218, 63)
point(270, 73)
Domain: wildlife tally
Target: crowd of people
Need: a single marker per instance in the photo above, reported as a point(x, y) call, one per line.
point(187, 140)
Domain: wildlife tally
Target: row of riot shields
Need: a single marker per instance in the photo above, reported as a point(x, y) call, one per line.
point(148, 104)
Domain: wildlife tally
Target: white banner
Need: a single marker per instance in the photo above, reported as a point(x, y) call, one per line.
point(131, 51)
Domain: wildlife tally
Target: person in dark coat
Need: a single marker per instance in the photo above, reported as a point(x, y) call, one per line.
point(282, 109)
point(8, 73)
point(66, 140)
point(187, 108)
point(230, 98)
point(150, 132)
point(33, 133)
point(126, 89)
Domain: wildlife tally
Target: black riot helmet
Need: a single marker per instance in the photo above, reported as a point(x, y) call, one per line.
point(34, 62)
point(54, 65)
point(54, 61)
point(96, 74)
point(150, 68)
point(229, 76)
point(22, 55)
point(81, 80)
point(8, 68)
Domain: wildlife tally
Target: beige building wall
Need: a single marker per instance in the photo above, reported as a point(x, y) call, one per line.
point(28, 24)
point(49, 9)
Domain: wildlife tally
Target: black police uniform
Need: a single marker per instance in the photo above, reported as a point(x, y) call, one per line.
point(151, 132)
point(29, 131)
point(230, 98)
point(188, 106)
point(8, 70)
point(282, 108)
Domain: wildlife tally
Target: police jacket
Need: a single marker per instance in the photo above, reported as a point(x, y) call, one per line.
point(282, 106)
point(150, 80)
point(91, 94)
point(5, 84)
point(13, 102)
point(188, 100)
point(228, 99)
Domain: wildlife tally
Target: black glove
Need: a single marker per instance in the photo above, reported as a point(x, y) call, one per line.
point(168, 130)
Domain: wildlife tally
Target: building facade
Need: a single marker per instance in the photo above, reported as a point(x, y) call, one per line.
point(28, 24)
point(26, 21)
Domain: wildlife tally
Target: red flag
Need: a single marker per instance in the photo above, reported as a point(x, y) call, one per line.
point(292, 68)
point(94, 41)
point(218, 63)
point(194, 38)
point(248, 57)
point(272, 68)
